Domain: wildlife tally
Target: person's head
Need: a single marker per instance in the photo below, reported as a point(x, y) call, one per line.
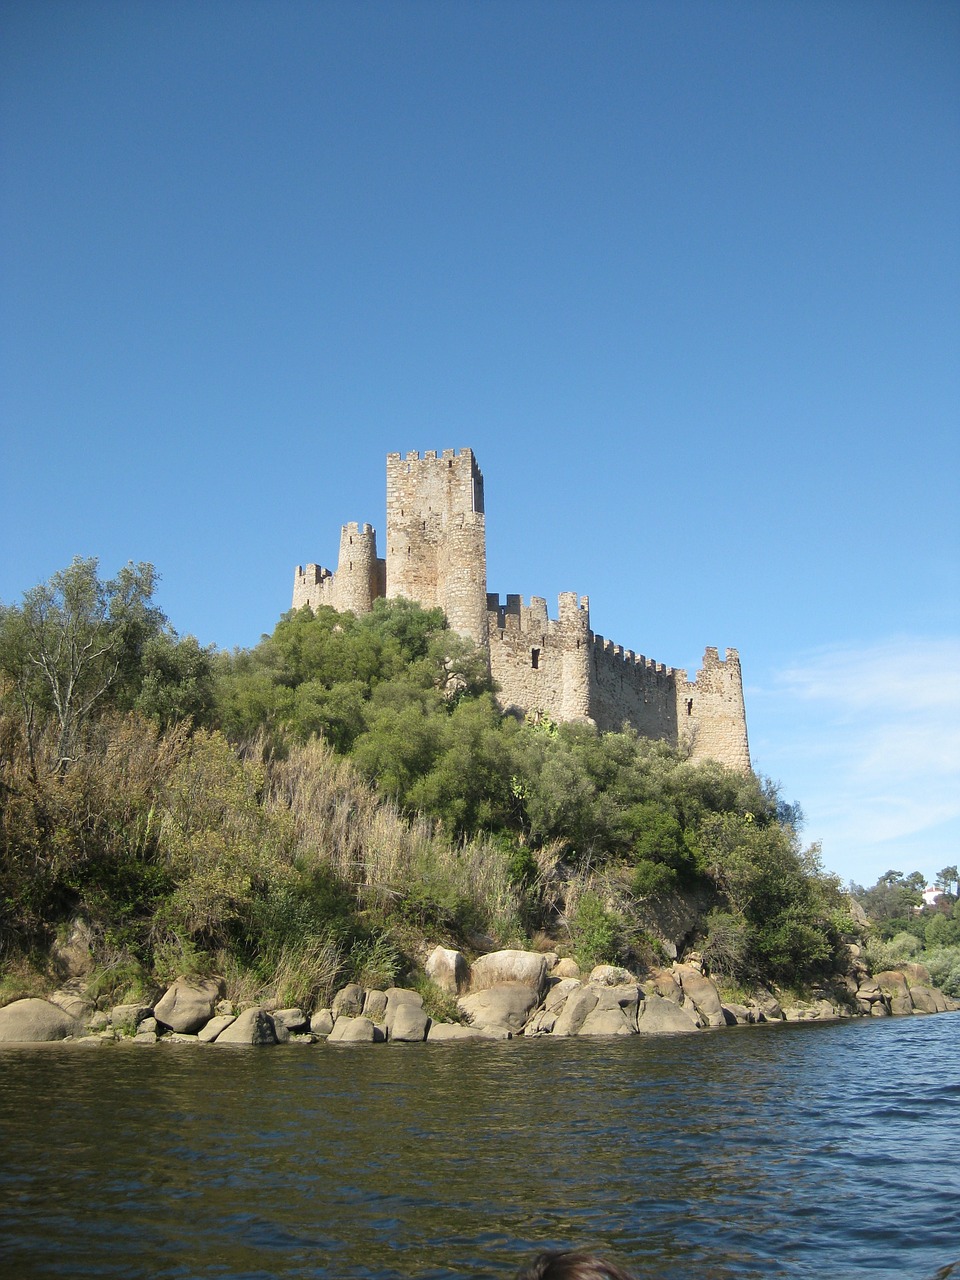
point(570, 1265)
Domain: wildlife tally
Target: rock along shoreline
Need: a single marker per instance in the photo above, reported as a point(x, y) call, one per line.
point(502, 995)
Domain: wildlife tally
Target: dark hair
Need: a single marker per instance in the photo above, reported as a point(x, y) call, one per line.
point(565, 1264)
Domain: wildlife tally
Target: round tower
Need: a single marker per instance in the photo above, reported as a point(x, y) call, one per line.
point(356, 580)
point(574, 632)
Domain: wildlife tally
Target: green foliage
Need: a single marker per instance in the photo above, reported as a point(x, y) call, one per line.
point(726, 947)
point(943, 965)
point(595, 932)
point(652, 879)
point(438, 1004)
point(75, 643)
point(300, 812)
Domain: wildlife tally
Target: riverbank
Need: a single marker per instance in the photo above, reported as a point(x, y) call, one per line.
point(501, 995)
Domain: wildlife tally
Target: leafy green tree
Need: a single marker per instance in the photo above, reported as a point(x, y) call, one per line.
point(176, 680)
point(947, 877)
point(75, 642)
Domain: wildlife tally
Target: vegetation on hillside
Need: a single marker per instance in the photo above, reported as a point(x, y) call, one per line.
point(309, 810)
point(904, 929)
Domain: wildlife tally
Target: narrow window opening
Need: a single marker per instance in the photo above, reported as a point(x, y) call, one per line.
point(689, 706)
point(535, 659)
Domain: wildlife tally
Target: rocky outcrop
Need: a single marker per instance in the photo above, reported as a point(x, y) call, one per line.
point(188, 1004)
point(354, 1030)
point(658, 1015)
point(448, 969)
point(501, 1008)
point(542, 996)
point(406, 1021)
point(702, 992)
point(252, 1027)
point(32, 1021)
point(525, 968)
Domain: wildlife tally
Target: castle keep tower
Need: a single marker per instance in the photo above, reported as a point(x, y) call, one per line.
point(436, 539)
point(436, 555)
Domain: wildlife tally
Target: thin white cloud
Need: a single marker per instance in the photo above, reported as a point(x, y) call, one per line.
point(870, 739)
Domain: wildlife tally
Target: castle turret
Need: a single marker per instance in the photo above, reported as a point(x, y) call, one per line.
point(711, 716)
point(574, 636)
point(357, 581)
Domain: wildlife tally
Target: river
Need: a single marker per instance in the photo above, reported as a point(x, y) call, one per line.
point(795, 1151)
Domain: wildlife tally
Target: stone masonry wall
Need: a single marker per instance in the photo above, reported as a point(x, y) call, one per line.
point(359, 580)
point(541, 664)
point(629, 687)
point(436, 537)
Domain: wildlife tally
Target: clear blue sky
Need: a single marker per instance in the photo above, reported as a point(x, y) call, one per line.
point(683, 274)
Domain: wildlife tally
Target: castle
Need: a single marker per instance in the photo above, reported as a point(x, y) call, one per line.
point(437, 555)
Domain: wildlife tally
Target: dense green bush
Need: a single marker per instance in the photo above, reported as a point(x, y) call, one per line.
point(308, 809)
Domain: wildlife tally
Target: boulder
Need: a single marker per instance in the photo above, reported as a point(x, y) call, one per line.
point(894, 986)
point(558, 991)
point(31, 1021)
point(74, 952)
point(609, 975)
point(527, 968)
point(145, 1037)
point(374, 1005)
point(738, 1015)
point(578, 1006)
point(659, 1015)
point(502, 1008)
point(448, 969)
point(565, 968)
point(71, 1003)
point(213, 1028)
point(614, 1014)
point(702, 992)
point(253, 1026)
point(127, 1017)
point(321, 1024)
point(916, 974)
point(453, 1031)
point(869, 990)
point(927, 999)
point(292, 1019)
point(769, 1005)
point(541, 1023)
point(354, 1030)
point(665, 984)
point(404, 1016)
point(348, 1001)
point(188, 1004)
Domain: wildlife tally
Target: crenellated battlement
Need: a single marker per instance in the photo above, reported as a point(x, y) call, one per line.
point(436, 555)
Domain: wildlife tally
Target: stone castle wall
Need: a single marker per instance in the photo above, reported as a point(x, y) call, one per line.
point(436, 555)
point(359, 580)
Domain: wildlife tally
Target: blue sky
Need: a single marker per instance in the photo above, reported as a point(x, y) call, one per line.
point(685, 276)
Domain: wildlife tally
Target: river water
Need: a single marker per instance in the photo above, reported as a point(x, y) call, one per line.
point(795, 1151)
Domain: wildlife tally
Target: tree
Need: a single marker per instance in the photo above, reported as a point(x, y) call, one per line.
point(73, 641)
point(945, 878)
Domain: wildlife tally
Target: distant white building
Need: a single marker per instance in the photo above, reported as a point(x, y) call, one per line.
point(930, 895)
